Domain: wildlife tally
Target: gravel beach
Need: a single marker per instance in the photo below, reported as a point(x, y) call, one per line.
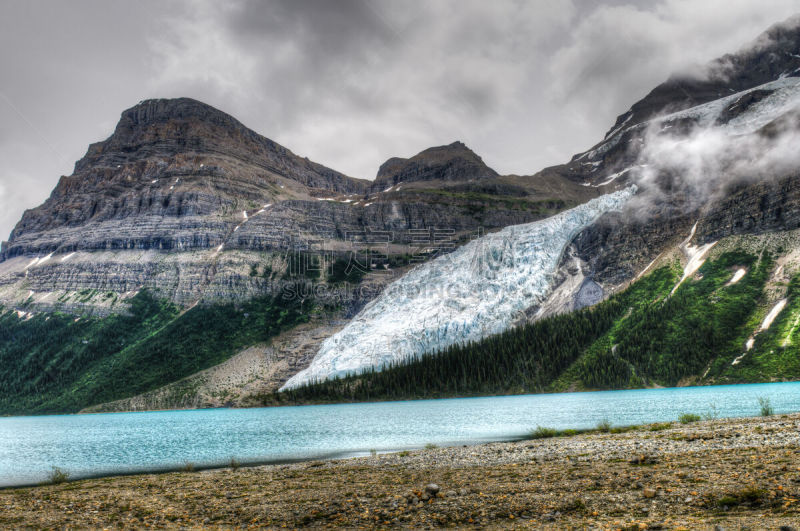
point(733, 474)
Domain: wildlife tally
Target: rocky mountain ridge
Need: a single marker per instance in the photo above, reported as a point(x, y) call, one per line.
point(451, 163)
point(185, 202)
point(185, 199)
point(773, 54)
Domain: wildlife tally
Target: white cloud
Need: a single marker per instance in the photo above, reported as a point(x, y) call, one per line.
point(701, 165)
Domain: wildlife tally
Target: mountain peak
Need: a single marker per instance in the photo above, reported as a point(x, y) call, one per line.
point(167, 126)
point(452, 162)
point(167, 130)
point(165, 109)
point(151, 119)
point(773, 54)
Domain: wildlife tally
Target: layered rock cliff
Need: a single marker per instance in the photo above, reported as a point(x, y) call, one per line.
point(184, 199)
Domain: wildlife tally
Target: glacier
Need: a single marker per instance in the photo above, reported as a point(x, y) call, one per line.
point(783, 96)
point(480, 289)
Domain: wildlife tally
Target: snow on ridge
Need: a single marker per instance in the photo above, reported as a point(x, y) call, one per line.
point(621, 127)
point(611, 178)
point(785, 96)
point(786, 92)
point(478, 290)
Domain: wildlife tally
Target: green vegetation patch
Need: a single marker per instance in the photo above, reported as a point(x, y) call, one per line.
point(344, 270)
point(60, 363)
point(688, 418)
point(775, 352)
point(748, 496)
point(680, 335)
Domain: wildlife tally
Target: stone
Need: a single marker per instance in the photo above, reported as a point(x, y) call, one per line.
point(648, 492)
point(432, 488)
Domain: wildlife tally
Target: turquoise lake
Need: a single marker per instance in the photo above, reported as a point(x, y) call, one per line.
point(88, 445)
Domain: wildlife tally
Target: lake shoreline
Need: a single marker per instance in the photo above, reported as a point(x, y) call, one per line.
point(275, 398)
point(730, 472)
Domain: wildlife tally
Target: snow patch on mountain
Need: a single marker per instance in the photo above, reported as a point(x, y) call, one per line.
point(784, 96)
point(695, 257)
point(737, 277)
point(480, 289)
point(765, 324)
point(773, 313)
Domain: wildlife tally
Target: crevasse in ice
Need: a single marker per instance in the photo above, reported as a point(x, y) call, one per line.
point(478, 290)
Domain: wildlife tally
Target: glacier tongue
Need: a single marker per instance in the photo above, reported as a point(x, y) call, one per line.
point(478, 290)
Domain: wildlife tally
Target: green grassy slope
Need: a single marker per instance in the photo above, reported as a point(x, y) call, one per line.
point(776, 351)
point(60, 363)
point(644, 336)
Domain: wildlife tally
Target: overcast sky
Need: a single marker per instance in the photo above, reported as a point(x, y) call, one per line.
point(348, 83)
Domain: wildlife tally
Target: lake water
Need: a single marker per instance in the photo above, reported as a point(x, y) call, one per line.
point(86, 445)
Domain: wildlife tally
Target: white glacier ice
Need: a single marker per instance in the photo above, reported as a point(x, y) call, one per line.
point(785, 96)
point(479, 289)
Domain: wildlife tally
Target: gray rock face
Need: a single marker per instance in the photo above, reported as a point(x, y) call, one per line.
point(621, 244)
point(589, 293)
point(174, 175)
point(179, 188)
point(168, 127)
point(452, 163)
point(185, 199)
